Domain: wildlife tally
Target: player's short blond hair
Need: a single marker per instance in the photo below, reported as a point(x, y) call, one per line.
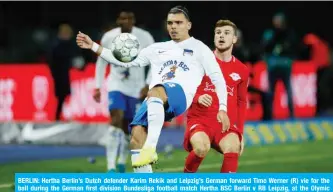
point(222, 23)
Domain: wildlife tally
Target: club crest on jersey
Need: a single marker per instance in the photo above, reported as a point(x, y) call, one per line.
point(188, 52)
point(125, 74)
point(171, 74)
point(235, 76)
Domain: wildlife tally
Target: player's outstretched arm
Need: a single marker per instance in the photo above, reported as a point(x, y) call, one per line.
point(214, 72)
point(100, 69)
point(85, 42)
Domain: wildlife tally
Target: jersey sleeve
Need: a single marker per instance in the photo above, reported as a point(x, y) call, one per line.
point(101, 64)
point(213, 71)
point(141, 61)
point(242, 98)
point(149, 77)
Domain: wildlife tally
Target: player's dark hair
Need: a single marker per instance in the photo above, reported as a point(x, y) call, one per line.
point(180, 9)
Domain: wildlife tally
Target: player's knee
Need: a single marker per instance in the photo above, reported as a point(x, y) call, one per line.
point(202, 150)
point(116, 118)
point(200, 143)
point(230, 143)
point(138, 137)
point(158, 92)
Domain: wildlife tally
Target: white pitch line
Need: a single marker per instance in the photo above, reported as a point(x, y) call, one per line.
point(6, 185)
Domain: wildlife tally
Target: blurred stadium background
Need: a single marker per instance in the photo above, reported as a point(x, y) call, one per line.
point(32, 141)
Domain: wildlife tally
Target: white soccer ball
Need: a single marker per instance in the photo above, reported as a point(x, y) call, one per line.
point(125, 47)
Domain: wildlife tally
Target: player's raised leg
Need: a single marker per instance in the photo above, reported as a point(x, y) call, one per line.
point(173, 97)
point(230, 145)
point(156, 99)
point(199, 147)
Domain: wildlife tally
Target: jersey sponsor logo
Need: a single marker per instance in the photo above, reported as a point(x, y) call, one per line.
point(230, 90)
point(209, 87)
point(235, 76)
point(172, 63)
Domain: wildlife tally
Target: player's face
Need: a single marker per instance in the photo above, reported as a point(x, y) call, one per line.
point(126, 21)
point(178, 26)
point(224, 38)
point(278, 22)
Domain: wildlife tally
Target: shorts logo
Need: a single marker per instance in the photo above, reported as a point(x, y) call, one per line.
point(193, 126)
point(110, 101)
point(171, 85)
point(209, 87)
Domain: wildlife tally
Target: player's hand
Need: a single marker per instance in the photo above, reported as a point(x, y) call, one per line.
point(205, 100)
point(223, 118)
point(83, 41)
point(97, 95)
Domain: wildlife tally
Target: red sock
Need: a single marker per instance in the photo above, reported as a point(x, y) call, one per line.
point(230, 163)
point(192, 163)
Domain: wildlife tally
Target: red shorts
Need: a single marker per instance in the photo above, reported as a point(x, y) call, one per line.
point(213, 130)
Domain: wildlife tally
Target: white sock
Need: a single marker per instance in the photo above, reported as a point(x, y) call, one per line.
point(123, 148)
point(155, 121)
point(112, 147)
point(143, 169)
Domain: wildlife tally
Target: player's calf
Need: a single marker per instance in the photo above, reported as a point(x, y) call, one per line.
point(117, 118)
point(138, 138)
point(200, 146)
point(230, 145)
point(115, 136)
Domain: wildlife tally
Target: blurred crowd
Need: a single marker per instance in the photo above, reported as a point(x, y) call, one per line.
point(280, 46)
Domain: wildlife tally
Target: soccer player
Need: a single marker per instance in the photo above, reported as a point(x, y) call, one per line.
point(203, 130)
point(169, 95)
point(124, 89)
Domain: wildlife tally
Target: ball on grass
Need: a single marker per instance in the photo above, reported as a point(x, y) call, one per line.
point(92, 160)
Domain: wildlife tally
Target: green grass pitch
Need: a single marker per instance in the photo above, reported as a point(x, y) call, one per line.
point(315, 156)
